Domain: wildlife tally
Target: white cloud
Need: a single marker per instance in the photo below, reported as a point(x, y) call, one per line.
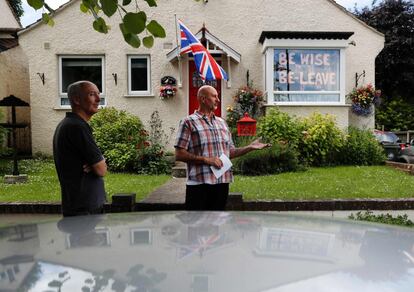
point(349, 4)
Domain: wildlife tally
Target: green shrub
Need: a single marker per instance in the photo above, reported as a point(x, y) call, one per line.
point(151, 160)
point(395, 115)
point(246, 100)
point(118, 135)
point(321, 141)
point(277, 126)
point(360, 148)
point(382, 218)
point(273, 160)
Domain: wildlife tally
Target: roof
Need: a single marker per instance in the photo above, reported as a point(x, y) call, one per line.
point(324, 35)
point(12, 100)
point(8, 43)
point(354, 17)
point(14, 14)
point(203, 33)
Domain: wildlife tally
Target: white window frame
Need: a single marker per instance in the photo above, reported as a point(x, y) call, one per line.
point(269, 45)
point(65, 95)
point(132, 236)
point(147, 92)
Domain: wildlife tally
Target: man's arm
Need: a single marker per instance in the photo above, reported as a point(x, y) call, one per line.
point(183, 155)
point(255, 145)
point(100, 168)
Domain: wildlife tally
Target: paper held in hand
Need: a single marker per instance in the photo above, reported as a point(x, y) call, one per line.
point(218, 172)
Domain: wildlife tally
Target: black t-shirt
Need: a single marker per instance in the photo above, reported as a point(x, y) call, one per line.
point(73, 147)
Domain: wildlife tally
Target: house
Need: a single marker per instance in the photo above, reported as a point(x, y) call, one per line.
point(14, 76)
point(322, 50)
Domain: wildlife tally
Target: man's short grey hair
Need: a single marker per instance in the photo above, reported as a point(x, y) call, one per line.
point(75, 89)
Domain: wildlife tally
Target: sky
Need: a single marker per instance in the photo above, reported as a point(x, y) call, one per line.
point(30, 15)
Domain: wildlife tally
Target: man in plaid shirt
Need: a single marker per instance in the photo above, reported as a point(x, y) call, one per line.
point(201, 139)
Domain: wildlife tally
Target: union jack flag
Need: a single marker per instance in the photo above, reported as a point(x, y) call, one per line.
point(206, 65)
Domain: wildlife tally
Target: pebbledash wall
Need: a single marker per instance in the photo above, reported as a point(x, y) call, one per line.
point(236, 26)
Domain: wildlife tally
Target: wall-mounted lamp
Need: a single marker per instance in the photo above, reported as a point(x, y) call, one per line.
point(115, 78)
point(42, 77)
point(353, 43)
point(357, 76)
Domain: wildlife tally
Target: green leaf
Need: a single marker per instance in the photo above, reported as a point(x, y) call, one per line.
point(83, 8)
point(156, 29)
point(151, 3)
point(109, 7)
point(148, 41)
point(135, 22)
point(100, 25)
point(130, 38)
point(47, 19)
point(88, 3)
point(36, 4)
point(126, 2)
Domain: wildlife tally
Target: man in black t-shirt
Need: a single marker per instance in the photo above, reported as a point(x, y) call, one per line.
point(79, 162)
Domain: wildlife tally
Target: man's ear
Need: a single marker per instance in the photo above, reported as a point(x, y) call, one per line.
point(76, 100)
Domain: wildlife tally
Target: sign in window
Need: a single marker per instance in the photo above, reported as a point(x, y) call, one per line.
point(306, 75)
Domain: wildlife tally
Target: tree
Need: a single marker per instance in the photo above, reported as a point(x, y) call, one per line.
point(133, 26)
point(17, 7)
point(395, 64)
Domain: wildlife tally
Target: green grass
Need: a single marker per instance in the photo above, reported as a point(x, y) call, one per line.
point(344, 182)
point(43, 185)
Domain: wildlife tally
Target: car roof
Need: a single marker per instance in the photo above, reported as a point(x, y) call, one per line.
point(206, 251)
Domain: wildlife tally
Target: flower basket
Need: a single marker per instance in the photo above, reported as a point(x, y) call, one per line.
point(364, 99)
point(167, 91)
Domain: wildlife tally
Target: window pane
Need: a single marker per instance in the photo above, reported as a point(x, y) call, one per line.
point(306, 70)
point(139, 76)
point(307, 97)
point(65, 101)
point(76, 69)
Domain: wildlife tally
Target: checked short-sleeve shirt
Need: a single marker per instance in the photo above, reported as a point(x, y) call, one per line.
point(204, 137)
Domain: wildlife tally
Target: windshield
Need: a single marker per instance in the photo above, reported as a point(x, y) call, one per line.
point(387, 137)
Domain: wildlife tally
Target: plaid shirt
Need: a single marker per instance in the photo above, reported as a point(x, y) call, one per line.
point(202, 137)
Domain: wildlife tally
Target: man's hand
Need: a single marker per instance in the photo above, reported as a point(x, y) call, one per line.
point(257, 145)
point(87, 168)
point(214, 161)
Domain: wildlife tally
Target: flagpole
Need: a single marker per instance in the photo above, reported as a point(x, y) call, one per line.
point(180, 83)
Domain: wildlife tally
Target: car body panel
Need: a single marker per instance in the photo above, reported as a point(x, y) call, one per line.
point(206, 251)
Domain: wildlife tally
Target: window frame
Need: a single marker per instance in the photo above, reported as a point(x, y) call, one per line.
point(65, 95)
point(147, 92)
point(270, 45)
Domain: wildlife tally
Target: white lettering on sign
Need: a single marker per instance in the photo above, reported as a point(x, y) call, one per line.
point(283, 58)
point(315, 59)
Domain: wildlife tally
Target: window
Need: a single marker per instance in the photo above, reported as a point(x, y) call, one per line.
point(141, 236)
point(302, 71)
point(76, 68)
point(306, 75)
point(139, 81)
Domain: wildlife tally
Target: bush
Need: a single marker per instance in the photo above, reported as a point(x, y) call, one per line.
point(361, 148)
point(118, 134)
point(247, 100)
point(322, 139)
point(395, 115)
point(273, 160)
point(277, 126)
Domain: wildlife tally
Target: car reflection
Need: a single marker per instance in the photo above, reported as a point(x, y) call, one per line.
point(205, 251)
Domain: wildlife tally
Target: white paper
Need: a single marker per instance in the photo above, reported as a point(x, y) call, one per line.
point(218, 172)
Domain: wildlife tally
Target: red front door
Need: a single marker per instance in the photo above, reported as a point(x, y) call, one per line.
point(195, 82)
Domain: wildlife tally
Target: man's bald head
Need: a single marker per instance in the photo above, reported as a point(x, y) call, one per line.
point(204, 91)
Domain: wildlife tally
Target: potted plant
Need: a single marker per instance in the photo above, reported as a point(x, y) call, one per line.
point(364, 99)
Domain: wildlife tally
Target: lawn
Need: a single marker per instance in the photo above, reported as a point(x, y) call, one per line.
point(344, 182)
point(43, 185)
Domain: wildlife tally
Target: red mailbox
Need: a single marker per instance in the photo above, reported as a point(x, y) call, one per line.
point(246, 126)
